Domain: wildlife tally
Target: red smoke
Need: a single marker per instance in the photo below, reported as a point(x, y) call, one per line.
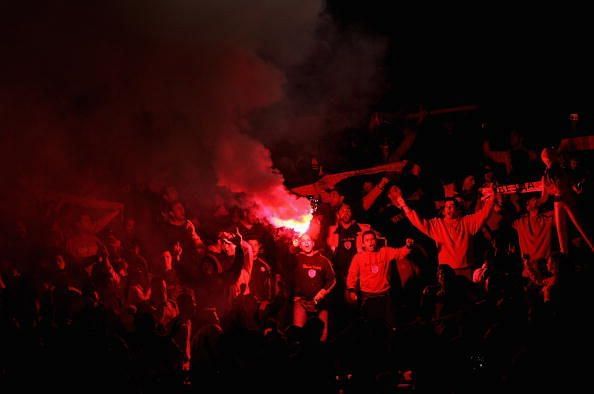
point(243, 165)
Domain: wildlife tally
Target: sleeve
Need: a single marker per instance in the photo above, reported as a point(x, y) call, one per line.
point(329, 276)
point(423, 225)
point(395, 253)
point(332, 240)
point(475, 221)
point(238, 263)
point(353, 274)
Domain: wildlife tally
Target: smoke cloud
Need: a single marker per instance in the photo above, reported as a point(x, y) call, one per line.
point(172, 92)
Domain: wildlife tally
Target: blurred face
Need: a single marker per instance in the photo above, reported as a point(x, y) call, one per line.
point(255, 244)
point(130, 225)
point(306, 244)
point(546, 157)
point(170, 194)
point(60, 263)
point(440, 277)
point(250, 216)
point(367, 186)
point(167, 260)
point(449, 210)
point(335, 198)
point(468, 183)
point(394, 192)
point(369, 242)
point(178, 212)
point(532, 205)
point(228, 248)
point(345, 214)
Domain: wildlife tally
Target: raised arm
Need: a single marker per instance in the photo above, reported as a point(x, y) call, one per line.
point(371, 197)
point(420, 223)
point(501, 157)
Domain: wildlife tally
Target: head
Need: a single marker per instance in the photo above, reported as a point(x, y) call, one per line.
point(167, 260)
point(532, 205)
point(468, 183)
point(450, 209)
point(369, 241)
point(345, 214)
point(445, 275)
point(60, 262)
point(394, 193)
point(488, 175)
point(170, 194)
point(548, 157)
point(306, 244)
point(256, 246)
point(177, 211)
point(367, 186)
point(335, 198)
point(228, 247)
point(130, 225)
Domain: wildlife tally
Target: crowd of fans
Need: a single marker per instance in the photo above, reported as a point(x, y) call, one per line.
point(426, 280)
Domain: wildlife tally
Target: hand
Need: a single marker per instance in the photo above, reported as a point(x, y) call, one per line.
point(352, 296)
point(237, 238)
point(410, 243)
point(318, 297)
point(177, 249)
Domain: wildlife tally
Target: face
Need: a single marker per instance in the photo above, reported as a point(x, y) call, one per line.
point(167, 260)
point(178, 212)
point(170, 194)
point(532, 205)
point(60, 263)
point(335, 198)
point(367, 186)
point(130, 225)
point(546, 157)
point(468, 183)
point(255, 244)
point(345, 214)
point(250, 216)
point(228, 248)
point(369, 242)
point(394, 192)
point(450, 210)
point(306, 244)
point(440, 277)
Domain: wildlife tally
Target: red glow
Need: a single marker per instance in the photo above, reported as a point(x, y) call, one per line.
point(262, 185)
point(283, 209)
point(299, 225)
